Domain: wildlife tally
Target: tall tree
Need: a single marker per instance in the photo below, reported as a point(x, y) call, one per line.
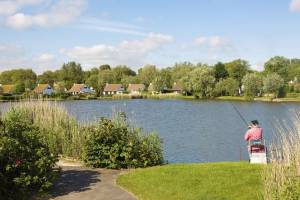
point(104, 67)
point(147, 74)
point(273, 83)
point(252, 84)
point(120, 72)
point(71, 73)
point(104, 77)
point(24, 76)
point(237, 69)
point(279, 65)
point(203, 81)
point(48, 77)
point(220, 71)
point(180, 70)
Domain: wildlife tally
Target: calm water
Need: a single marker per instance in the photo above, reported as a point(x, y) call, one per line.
point(192, 131)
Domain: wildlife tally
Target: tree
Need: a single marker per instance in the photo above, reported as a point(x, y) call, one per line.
point(120, 72)
point(130, 80)
point(226, 87)
point(220, 71)
point(59, 87)
point(93, 81)
point(18, 88)
point(158, 84)
point(166, 75)
point(272, 83)
point(180, 70)
point(71, 73)
point(25, 76)
point(279, 65)
point(104, 67)
point(237, 69)
point(147, 74)
point(48, 77)
point(104, 78)
point(203, 81)
point(252, 84)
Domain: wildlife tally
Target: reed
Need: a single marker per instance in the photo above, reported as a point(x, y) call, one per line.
point(282, 176)
point(63, 134)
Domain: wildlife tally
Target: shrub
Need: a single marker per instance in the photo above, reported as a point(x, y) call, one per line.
point(26, 164)
point(114, 144)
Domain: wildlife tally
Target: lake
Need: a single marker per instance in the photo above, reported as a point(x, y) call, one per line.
point(192, 130)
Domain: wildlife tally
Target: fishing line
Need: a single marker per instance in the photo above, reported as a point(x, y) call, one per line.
point(240, 115)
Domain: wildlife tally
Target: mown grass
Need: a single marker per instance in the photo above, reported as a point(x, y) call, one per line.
point(210, 181)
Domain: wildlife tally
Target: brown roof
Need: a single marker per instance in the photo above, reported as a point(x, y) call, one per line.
point(7, 89)
point(113, 88)
point(77, 87)
point(176, 87)
point(136, 87)
point(40, 88)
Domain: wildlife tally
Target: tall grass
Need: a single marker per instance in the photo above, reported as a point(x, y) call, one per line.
point(282, 176)
point(63, 134)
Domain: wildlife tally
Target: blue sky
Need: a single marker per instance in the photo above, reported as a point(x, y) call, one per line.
point(43, 34)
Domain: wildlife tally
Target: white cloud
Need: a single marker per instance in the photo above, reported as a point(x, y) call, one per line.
point(95, 24)
point(45, 58)
point(212, 42)
point(61, 12)
point(295, 5)
point(12, 57)
point(9, 7)
point(127, 52)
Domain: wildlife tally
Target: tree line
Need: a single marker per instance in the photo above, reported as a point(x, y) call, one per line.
point(235, 78)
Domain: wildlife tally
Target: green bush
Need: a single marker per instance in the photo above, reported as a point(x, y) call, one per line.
point(26, 164)
point(114, 144)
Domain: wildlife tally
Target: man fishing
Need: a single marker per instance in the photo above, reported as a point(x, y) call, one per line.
point(254, 136)
point(255, 131)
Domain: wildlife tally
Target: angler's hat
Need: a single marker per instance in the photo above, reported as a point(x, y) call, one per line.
point(254, 122)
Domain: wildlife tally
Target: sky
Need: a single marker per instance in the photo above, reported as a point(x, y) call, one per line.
point(44, 34)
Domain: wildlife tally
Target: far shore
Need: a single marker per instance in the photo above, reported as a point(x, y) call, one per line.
point(166, 96)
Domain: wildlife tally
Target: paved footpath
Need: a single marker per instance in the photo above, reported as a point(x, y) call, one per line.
point(80, 183)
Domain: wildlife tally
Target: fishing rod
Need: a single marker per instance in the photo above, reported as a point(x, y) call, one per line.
point(240, 115)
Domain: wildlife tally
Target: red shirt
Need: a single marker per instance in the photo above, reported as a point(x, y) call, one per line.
point(254, 134)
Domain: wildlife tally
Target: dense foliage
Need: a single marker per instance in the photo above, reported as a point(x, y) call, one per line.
point(114, 144)
point(26, 164)
point(188, 75)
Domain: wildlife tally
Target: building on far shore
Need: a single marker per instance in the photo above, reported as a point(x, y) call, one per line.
point(177, 89)
point(111, 89)
point(43, 89)
point(136, 89)
point(80, 89)
point(7, 89)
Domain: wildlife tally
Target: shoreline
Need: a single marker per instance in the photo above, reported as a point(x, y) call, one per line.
point(162, 97)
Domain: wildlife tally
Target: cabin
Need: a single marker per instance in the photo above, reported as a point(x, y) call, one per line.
point(80, 89)
point(136, 89)
point(7, 89)
point(43, 89)
point(177, 89)
point(111, 89)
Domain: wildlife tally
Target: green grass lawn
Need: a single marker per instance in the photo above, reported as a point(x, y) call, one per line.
point(209, 181)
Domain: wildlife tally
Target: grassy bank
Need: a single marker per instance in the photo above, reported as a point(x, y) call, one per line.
point(232, 181)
